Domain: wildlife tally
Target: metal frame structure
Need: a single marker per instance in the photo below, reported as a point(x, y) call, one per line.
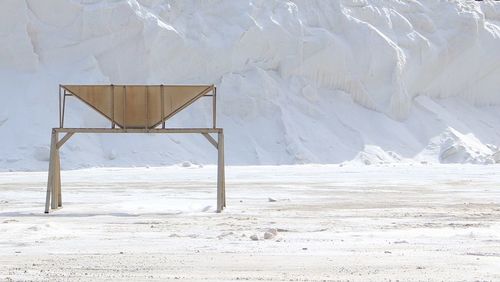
point(54, 198)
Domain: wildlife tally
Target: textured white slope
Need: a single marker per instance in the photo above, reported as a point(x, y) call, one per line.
point(300, 81)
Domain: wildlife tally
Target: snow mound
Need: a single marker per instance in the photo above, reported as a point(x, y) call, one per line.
point(299, 82)
point(460, 148)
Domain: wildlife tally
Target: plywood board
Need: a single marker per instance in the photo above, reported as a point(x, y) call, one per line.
point(138, 106)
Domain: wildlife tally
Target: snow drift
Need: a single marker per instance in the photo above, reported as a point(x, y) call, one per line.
point(299, 81)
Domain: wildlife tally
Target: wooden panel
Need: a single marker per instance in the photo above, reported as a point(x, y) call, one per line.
point(138, 106)
point(97, 96)
point(179, 97)
point(135, 106)
point(118, 115)
point(154, 105)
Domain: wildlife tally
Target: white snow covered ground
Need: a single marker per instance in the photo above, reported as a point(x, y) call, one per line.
point(299, 81)
point(323, 222)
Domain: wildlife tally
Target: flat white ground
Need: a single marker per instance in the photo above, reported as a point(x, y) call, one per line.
point(434, 222)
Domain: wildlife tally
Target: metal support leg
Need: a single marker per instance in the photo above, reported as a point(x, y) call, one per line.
point(221, 197)
point(55, 181)
point(50, 179)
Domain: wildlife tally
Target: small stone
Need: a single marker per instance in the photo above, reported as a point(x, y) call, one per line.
point(273, 231)
point(254, 238)
point(401, 242)
point(268, 235)
point(271, 200)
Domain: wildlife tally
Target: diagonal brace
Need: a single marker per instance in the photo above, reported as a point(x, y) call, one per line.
point(211, 140)
point(64, 139)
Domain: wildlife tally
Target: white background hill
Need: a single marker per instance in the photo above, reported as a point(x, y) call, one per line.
point(299, 82)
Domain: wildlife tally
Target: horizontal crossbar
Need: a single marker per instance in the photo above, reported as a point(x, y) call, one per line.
point(139, 130)
point(139, 85)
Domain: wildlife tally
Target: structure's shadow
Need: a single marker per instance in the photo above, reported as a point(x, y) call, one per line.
point(56, 214)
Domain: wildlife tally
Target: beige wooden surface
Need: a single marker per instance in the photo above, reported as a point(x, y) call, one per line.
point(138, 106)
